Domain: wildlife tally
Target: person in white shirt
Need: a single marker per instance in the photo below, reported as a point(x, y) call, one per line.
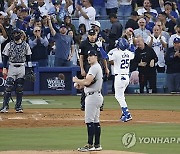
point(142, 31)
point(159, 44)
point(86, 14)
point(3, 34)
point(177, 35)
point(147, 8)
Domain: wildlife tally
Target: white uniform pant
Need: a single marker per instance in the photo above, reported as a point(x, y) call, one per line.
point(120, 84)
point(92, 107)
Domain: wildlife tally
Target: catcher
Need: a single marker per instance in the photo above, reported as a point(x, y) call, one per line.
point(15, 53)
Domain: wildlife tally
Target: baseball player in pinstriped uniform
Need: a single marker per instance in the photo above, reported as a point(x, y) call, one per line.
point(92, 87)
point(121, 57)
point(17, 52)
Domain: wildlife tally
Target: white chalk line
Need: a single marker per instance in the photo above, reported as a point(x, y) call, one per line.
point(36, 117)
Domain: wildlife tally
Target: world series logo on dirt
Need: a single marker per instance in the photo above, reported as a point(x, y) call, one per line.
point(57, 83)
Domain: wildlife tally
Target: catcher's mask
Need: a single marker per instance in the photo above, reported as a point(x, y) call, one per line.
point(16, 34)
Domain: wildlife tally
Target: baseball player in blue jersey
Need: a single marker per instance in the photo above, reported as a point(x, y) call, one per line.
point(92, 87)
point(16, 52)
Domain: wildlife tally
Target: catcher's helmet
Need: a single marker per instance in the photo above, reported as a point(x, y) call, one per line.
point(16, 30)
point(122, 44)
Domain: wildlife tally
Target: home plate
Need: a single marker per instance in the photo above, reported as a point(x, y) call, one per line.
point(38, 101)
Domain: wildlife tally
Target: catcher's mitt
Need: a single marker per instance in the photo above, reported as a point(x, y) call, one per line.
point(30, 76)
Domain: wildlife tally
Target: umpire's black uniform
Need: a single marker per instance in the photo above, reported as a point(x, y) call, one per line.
point(84, 47)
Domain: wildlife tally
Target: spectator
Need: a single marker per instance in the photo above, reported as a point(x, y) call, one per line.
point(132, 21)
point(3, 36)
point(115, 31)
point(149, 21)
point(38, 46)
point(111, 6)
point(171, 15)
point(69, 25)
point(169, 25)
point(75, 56)
point(99, 6)
point(64, 45)
point(60, 10)
point(124, 10)
point(45, 27)
point(86, 13)
point(176, 35)
point(159, 44)
point(147, 8)
point(51, 52)
point(100, 34)
point(172, 59)
point(142, 31)
point(145, 59)
point(82, 32)
point(162, 27)
point(8, 28)
point(43, 8)
point(2, 5)
point(157, 4)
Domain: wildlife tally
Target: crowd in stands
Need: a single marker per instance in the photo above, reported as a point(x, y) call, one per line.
point(47, 25)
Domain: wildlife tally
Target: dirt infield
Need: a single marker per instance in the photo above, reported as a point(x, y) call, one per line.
point(75, 117)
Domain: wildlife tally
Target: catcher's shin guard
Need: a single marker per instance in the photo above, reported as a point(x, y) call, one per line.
point(7, 93)
point(19, 92)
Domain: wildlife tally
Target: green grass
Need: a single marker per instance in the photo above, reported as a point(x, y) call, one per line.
point(134, 102)
point(73, 137)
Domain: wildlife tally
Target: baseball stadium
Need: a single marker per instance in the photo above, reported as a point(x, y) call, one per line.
point(89, 76)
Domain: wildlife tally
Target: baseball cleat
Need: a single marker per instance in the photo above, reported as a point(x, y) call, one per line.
point(97, 147)
point(4, 109)
point(19, 110)
point(126, 118)
point(86, 148)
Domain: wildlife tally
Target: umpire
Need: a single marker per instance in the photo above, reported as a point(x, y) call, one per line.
point(17, 52)
point(92, 87)
point(85, 46)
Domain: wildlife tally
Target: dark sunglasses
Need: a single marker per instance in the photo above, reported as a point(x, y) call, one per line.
point(37, 30)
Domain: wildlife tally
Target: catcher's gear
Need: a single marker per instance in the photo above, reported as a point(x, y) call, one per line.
point(122, 44)
point(30, 76)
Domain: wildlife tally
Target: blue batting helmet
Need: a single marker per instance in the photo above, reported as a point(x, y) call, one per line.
point(122, 44)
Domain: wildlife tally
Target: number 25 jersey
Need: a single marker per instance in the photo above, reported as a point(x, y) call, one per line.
point(121, 60)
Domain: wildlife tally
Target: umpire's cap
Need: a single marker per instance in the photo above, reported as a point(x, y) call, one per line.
point(92, 53)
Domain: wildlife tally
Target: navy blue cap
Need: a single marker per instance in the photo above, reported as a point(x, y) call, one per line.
point(176, 40)
point(63, 25)
point(92, 53)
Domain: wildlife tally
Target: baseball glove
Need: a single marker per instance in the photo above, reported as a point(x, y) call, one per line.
point(30, 76)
